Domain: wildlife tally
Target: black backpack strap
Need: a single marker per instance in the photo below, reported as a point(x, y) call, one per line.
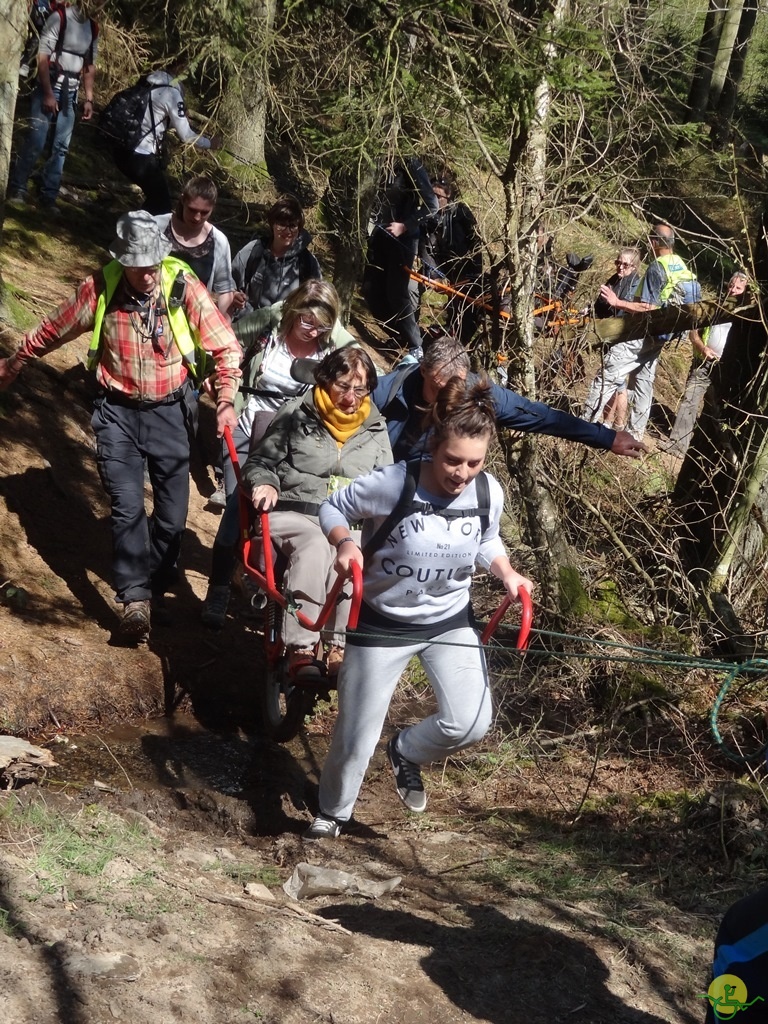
point(59, 47)
point(482, 509)
point(403, 506)
point(406, 506)
point(305, 265)
point(151, 107)
point(483, 500)
point(255, 259)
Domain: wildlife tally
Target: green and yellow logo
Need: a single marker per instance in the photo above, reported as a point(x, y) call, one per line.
point(727, 995)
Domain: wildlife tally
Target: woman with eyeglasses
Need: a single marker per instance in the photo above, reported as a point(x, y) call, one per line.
point(304, 326)
point(275, 263)
point(624, 283)
point(315, 445)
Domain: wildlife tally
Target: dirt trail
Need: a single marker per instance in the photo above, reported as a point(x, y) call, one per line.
point(127, 902)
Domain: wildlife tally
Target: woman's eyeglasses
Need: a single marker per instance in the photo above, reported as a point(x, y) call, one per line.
point(345, 389)
point(623, 263)
point(286, 228)
point(307, 325)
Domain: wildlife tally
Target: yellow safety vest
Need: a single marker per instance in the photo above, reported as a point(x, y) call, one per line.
point(677, 274)
point(187, 342)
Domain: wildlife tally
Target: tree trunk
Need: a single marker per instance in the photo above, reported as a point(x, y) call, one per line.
point(722, 60)
point(13, 32)
point(348, 201)
point(727, 106)
point(243, 107)
point(720, 491)
point(524, 180)
point(698, 96)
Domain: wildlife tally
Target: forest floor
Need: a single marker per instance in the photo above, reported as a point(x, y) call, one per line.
point(574, 883)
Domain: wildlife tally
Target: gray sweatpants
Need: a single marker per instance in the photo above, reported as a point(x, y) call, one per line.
point(366, 684)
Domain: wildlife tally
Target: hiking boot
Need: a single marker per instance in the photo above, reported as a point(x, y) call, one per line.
point(50, 207)
point(17, 199)
point(214, 613)
point(411, 358)
point(323, 827)
point(219, 497)
point(408, 782)
point(135, 621)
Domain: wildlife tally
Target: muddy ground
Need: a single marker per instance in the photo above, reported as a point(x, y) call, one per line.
point(123, 887)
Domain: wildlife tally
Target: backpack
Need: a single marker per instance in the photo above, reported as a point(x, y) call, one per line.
point(406, 506)
point(687, 290)
point(60, 9)
point(120, 122)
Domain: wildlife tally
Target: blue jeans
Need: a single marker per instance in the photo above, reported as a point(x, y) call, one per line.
point(34, 144)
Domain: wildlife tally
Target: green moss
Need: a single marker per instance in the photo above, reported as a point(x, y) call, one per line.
point(574, 601)
point(635, 685)
point(611, 608)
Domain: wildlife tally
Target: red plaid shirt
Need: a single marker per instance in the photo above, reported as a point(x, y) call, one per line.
point(140, 367)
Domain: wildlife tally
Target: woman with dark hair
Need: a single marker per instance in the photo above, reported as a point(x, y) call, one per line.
point(272, 265)
point(419, 560)
point(196, 241)
point(313, 446)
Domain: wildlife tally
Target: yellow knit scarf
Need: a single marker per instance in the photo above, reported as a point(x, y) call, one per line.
point(340, 425)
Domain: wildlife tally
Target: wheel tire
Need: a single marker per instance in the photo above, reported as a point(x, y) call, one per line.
point(283, 705)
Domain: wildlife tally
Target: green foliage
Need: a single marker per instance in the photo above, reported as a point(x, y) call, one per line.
point(7, 927)
point(245, 873)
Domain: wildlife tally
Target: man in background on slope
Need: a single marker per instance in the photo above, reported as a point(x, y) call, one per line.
point(144, 163)
point(667, 281)
point(66, 55)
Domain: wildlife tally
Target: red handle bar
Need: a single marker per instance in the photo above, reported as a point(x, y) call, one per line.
point(266, 580)
point(526, 619)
